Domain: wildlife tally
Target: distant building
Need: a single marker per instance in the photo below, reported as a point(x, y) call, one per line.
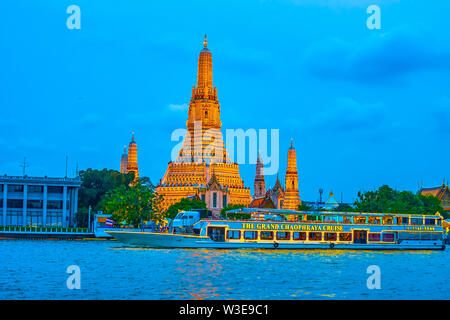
point(331, 203)
point(276, 194)
point(124, 161)
point(132, 164)
point(38, 201)
point(442, 193)
point(260, 184)
point(128, 161)
point(291, 199)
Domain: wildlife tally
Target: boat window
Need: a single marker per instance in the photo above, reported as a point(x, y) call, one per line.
point(282, 235)
point(388, 220)
point(315, 236)
point(405, 220)
point(374, 220)
point(374, 237)
point(299, 235)
point(178, 216)
point(266, 235)
point(430, 222)
point(216, 233)
point(345, 236)
point(234, 234)
point(430, 236)
point(417, 221)
point(360, 219)
point(332, 219)
point(419, 236)
point(250, 235)
point(409, 235)
point(330, 236)
point(388, 237)
point(347, 220)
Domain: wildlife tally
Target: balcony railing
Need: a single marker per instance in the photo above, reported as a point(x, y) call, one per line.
point(59, 230)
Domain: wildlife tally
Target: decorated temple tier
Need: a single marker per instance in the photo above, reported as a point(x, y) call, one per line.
point(217, 184)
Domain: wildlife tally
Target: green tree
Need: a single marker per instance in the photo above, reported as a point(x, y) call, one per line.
point(388, 200)
point(343, 207)
point(131, 204)
point(225, 215)
point(305, 207)
point(184, 205)
point(95, 184)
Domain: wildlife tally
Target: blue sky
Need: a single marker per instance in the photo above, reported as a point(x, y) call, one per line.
point(364, 107)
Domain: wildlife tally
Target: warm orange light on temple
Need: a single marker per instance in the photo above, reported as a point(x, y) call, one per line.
point(291, 194)
point(202, 167)
point(132, 164)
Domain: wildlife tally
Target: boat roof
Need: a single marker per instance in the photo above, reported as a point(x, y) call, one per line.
point(318, 213)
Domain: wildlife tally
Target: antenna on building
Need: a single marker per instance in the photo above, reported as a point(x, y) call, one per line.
point(320, 195)
point(67, 159)
point(24, 165)
point(341, 198)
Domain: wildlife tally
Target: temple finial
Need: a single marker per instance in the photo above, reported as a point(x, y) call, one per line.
point(205, 42)
point(132, 136)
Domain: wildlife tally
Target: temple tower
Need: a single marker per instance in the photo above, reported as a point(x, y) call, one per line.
point(203, 141)
point(124, 161)
point(291, 196)
point(259, 185)
point(203, 157)
point(132, 159)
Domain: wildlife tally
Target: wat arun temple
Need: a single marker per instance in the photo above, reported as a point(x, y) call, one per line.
point(203, 169)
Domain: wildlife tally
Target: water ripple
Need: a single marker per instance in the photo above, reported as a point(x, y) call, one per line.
point(37, 270)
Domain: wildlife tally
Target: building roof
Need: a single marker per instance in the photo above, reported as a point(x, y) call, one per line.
point(40, 180)
point(262, 202)
point(437, 192)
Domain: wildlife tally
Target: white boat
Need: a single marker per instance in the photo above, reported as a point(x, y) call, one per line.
point(329, 230)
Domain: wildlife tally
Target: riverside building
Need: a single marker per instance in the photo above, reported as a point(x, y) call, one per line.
point(38, 201)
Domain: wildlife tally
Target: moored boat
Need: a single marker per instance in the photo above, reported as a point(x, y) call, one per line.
point(289, 229)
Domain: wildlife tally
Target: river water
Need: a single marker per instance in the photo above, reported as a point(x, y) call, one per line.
point(36, 269)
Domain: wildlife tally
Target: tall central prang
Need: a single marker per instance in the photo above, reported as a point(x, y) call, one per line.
point(204, 141)
point(203, 168)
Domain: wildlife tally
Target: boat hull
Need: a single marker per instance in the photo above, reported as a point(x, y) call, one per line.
point(165, 240)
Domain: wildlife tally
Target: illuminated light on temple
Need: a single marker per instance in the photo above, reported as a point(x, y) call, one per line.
point(132, 165)
point(202, 167)
point(291, 195)
point(124, 161)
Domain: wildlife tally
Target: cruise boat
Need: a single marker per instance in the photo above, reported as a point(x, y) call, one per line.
point(289, 229)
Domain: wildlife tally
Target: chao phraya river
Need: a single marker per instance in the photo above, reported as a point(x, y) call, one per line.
point(36, 269)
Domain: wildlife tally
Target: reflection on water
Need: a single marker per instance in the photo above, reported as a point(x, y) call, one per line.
point(36, 270)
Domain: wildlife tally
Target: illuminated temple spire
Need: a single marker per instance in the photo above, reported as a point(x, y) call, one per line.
point(291, 196)
point(132, 158)
point(202, 167)
point(204, 141)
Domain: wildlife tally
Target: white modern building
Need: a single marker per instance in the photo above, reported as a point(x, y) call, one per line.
point(38, 201)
